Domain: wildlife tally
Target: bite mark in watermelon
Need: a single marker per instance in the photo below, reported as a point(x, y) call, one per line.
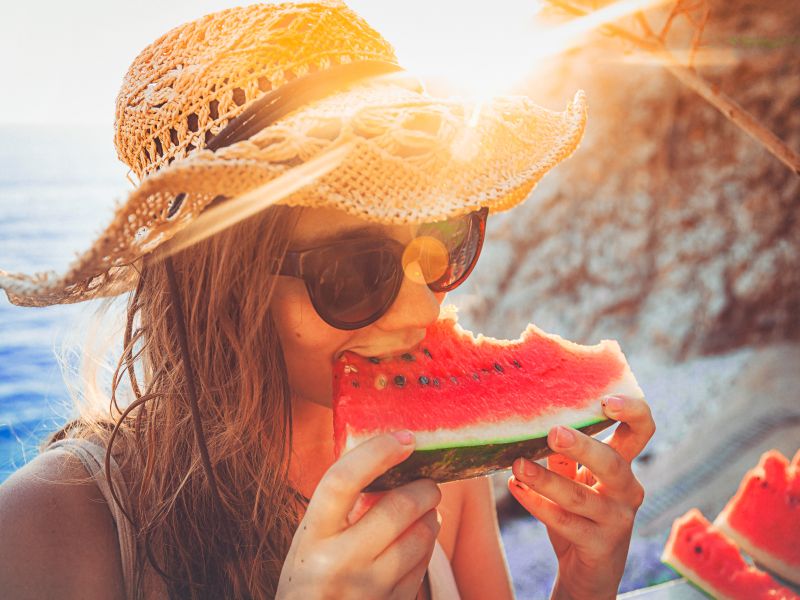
point(475, 404)
point(711, 561)
point(763, 518)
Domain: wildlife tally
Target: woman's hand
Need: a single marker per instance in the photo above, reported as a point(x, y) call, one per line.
point(588, 512)
point(385, 553)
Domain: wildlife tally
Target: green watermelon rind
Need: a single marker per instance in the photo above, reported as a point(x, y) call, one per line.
point(465, 461)
point(689, 576)
point(512, 439)
point(500, 440)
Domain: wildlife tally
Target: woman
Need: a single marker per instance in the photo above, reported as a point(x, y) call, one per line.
point(262, 134)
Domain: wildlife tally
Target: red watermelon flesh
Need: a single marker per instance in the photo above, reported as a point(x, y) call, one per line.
point(763, 518)
point(711, 561)
point(475, 403)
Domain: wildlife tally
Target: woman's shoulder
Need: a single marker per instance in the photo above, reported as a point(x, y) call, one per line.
point(57, 535)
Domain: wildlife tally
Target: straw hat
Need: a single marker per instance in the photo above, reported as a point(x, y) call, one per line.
point(303, 105)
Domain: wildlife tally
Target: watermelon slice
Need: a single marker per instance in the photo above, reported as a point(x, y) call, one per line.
point(475, 404)
point(711, 561)
point(763, 518)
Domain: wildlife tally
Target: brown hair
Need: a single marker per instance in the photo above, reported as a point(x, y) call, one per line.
point(203, 546)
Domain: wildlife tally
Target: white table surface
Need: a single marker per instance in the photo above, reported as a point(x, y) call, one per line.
point(677, 589)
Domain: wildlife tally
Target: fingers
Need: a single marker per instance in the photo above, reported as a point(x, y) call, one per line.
point(394, 514)
point(365, 502)
point(570, 495)
point(342, 483)
point(573, 527)
point(607, 465)
point(413, 547)
point(562, 465)
point(409, 585)
point(636, 425)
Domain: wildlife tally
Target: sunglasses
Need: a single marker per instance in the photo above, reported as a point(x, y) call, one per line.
point(352, 283)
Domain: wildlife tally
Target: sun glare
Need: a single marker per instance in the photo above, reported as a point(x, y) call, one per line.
point(477, 49)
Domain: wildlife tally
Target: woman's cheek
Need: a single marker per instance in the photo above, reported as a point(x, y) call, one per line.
point(308, 343)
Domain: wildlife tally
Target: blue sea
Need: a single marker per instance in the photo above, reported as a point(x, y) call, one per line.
point(58, 185)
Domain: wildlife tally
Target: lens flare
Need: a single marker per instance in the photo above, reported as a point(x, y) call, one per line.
point(425, 259)
point(479, 49)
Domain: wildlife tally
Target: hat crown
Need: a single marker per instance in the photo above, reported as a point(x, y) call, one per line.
point(184, 88)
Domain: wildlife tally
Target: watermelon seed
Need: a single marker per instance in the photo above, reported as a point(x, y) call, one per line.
point(426, 352)
point(515, 362)
point(354, 382)
point(435, 382)
point(424, 380)
point(374, 361)
point(399, 380)
point(485, 371)
point(498, 368)
point(454, 379)
point(380, 382)
point(407, 357)
point(350, 369)
point(698, 549)
point(476, 377)
point(764, 484)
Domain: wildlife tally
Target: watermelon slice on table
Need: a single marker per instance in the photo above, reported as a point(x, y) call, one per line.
point(711, 561)
point(475, 404)
point(763, 518)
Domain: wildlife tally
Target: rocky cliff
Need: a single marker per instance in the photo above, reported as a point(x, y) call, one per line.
point(670, 228)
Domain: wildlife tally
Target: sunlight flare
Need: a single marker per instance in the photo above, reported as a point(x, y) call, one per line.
point(482, 52)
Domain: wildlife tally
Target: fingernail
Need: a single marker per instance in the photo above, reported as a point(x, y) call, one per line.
point(564, 437)
point(613, 403)
point(405, 437)
point(529, 469)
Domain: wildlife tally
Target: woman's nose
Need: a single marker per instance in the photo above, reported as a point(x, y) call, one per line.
point(415, 307)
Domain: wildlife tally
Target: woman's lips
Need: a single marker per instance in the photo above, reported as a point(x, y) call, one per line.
point(382, 353)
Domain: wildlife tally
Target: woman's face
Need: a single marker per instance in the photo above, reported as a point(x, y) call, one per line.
point(310, 345)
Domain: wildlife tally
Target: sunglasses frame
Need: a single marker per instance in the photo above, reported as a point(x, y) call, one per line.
point(296, 264)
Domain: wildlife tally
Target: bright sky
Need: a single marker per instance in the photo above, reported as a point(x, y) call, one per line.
point(64, 61)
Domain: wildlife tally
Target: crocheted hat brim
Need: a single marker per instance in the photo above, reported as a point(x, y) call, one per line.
point(381, 152)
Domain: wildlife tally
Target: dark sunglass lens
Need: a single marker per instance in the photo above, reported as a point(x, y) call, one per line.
point(353, 289)
point(463, 245)
point(462, 260)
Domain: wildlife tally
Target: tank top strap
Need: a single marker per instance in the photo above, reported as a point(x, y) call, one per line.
point(440, 574)
point(93, 458)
